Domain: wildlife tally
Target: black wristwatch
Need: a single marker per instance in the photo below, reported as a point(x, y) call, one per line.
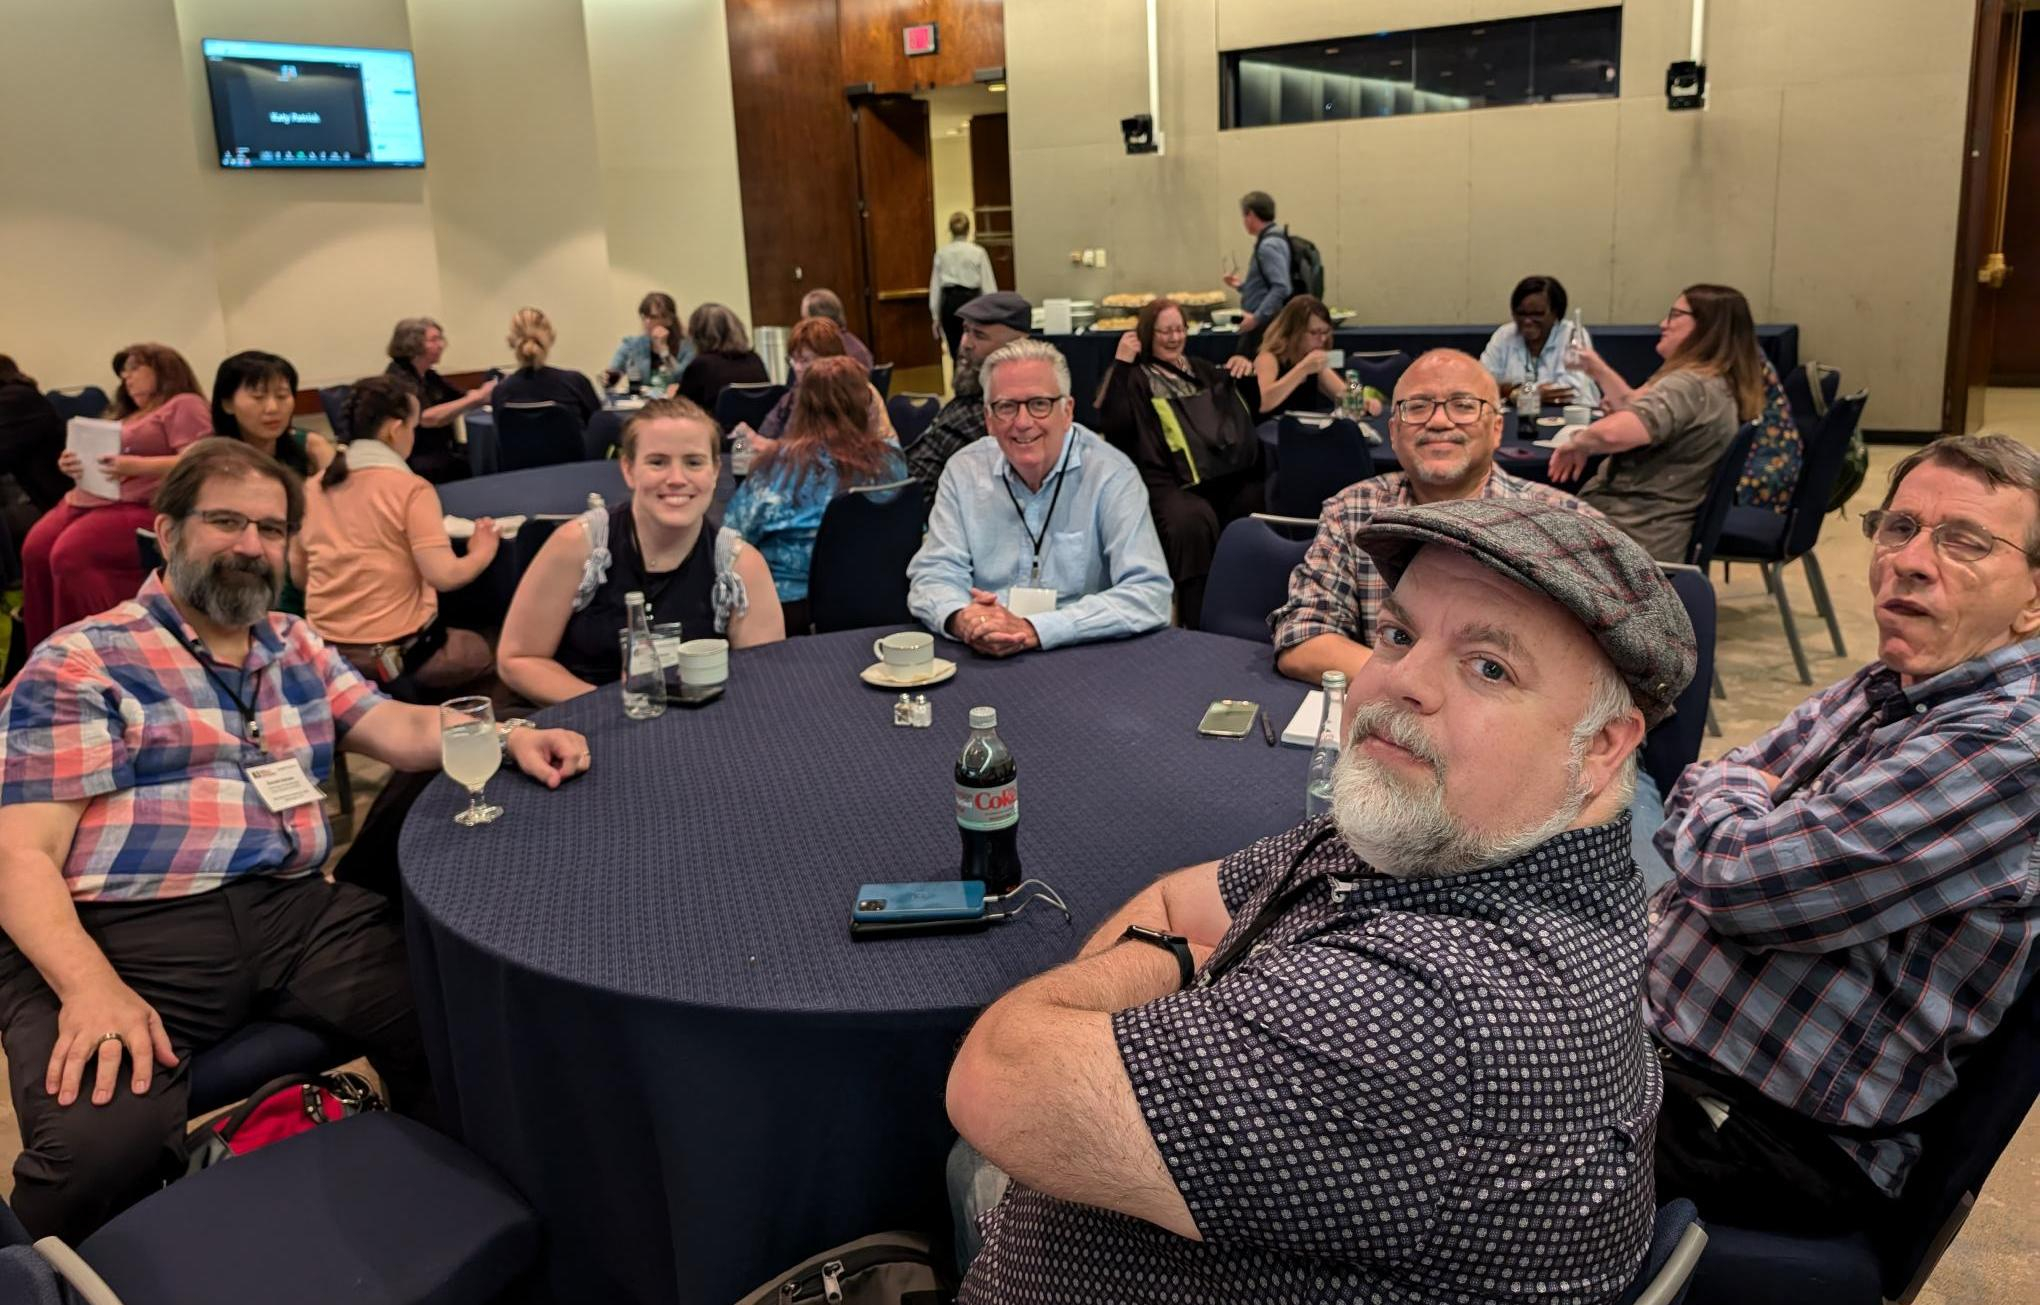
point(1174, 942)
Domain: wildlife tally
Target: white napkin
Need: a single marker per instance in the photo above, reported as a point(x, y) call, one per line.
point(462, 528)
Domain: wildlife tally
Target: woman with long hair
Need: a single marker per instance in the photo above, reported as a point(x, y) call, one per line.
point(375, 554)
point(254, 396)
point(81, 557)
point(531, 341)
point(833, 442)
point(652, 359)
point(1293, 367)
point(1666, 437)
point(560, 638)
point(1190, 502)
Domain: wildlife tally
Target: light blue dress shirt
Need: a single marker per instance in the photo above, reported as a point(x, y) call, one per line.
point(1100, 554)
point(1508, 360)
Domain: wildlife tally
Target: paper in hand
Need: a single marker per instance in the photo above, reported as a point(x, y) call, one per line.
point(93, 438)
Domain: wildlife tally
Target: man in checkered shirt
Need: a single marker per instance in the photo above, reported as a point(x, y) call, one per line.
point(1855, 901)
point(159, 882)
point(1392, 1055)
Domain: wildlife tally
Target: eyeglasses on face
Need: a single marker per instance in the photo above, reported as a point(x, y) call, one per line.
point(1460, 409)
point(1954, 540)
point(1038, 406)
point(1675, 312)
point(272, 530)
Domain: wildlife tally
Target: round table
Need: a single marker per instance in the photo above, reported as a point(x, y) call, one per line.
point(639, 991)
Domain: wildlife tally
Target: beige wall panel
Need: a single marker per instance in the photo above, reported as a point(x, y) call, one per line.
point(1403, 260)
point(1765, 42)
point(1527, 215)
point(1697, 200)
point(660, 76)
point(102, 216)
point(1655, 33)
point(1187, 35)
point(949, 158)
point(517, 201)
point(1152, 216)
point(1299, 166)
point(1868, 175)
point(1244, 24)
point(1074, 68)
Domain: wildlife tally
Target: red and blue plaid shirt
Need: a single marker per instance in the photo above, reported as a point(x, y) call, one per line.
point(118, 712)
point(1839, 950)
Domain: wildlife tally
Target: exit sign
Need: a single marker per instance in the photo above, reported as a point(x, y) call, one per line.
point(920, 38)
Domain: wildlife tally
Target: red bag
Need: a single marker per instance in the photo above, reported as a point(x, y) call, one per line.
point(281, 1108)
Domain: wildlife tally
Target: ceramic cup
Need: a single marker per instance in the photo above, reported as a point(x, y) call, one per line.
point(1578, 414)
point(906, 655)
point(704, 662)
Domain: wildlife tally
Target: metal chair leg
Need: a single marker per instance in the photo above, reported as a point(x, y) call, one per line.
point(1719, 691)
point(1818, 583)
point(1713, 725)
point(1776, 581)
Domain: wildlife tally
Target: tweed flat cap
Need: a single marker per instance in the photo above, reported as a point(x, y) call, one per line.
point(1583, 564)
point(1000, 308)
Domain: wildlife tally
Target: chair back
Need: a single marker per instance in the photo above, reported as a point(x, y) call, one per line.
point(881, 379)
point(1313, 463)
point(84, 401)
point(1249, 579)
point(911, 415)
point(1676, 1240)
point(149, 550)
point(333, 399)
point(748, 401)
point(1961, 1138)
point(540, 434)
point(1379, 371)
point(858, 574)
point(1808, 402)
point(258, 1053)
point(1675, 743)
point(1713, 514)
point(1827, 448)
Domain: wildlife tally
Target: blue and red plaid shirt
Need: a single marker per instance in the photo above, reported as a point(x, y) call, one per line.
point(117, 712)
point(1839, 950)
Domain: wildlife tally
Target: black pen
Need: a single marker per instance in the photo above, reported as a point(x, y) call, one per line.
point(1267, 729)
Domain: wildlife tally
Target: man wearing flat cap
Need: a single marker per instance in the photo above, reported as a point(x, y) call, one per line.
point(989, 322)
point(1392, 1054)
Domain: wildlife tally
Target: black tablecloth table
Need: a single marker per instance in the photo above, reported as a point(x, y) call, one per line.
point(639, 991)
point(1630, 350)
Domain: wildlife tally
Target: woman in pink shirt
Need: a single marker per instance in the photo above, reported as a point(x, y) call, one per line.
point(81, 557)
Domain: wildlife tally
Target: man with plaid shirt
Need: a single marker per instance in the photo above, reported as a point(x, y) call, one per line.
point(160, 843)
point(1854, 905)
point(1447, 452)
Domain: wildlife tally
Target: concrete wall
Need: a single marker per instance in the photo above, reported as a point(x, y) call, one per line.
point(1823, 180)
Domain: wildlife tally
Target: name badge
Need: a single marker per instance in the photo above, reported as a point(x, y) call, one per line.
point(283, 785)
point(1029, 601)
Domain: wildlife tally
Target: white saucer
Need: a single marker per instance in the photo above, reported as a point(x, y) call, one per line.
point(878, 676)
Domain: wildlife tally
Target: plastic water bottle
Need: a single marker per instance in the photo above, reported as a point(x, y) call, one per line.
point(1575, 338)
point(1527, 395)
point(1324, 758)
point(1355, 402)
point(988, 806)
point(644, 681)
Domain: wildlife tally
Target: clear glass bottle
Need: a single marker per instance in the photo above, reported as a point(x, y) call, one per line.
point(1354, 403)
point(1575, 338)
point(644, 683)
point(1324, 758)
point(740, 455)
point(595, 503)
point(1527, 396)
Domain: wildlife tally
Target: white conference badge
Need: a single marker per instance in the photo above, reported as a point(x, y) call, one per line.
point(1026, 600)
point(283, 785)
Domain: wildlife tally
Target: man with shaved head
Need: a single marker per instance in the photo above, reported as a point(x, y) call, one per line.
point(1444, 424)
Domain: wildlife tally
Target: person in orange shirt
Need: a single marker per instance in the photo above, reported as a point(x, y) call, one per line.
point(375, 554)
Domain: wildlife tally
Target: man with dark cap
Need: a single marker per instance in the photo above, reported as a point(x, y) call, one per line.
point(1392, 1054)
point(988, 322)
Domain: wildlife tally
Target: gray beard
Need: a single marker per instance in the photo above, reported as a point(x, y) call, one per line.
point(231, 591)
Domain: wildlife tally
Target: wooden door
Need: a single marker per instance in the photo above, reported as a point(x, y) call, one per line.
point(1972, 321)
point(2015, 352)
point(991, 184)
point(896, 222)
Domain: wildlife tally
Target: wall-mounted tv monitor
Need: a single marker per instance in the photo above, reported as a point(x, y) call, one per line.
point(313, 106)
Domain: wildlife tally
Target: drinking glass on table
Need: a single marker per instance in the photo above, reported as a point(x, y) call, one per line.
point(470, 752)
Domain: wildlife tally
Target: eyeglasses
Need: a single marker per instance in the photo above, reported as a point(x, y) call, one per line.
point(1676, 311)
point(1460, 409)
point(272, 530)
point(1952, 539)
point(1038, 406)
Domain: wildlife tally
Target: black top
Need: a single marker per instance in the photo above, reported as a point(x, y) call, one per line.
point(711, 373)
point(570, 390)
point(434, 454)
point(31, 438)
point(588, 646)
point(1127, 416)
point(1308, 396)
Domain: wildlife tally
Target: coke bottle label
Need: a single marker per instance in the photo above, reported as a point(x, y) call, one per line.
point(988, 808)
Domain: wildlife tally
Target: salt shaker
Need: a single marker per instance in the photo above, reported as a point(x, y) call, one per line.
point(924, 715)
point(903, 711)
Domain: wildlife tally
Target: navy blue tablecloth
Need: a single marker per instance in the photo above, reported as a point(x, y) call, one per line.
point(642, 1002)
point(554, 491)
point(1630, 350)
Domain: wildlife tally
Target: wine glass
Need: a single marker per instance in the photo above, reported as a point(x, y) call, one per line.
point(470, 752)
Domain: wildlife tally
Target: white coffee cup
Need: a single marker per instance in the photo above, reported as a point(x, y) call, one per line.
point(909, 653)
point(704, 662)
point(1578, 414)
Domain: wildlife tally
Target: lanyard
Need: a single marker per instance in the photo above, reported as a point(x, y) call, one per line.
point(1286, 895)
point(251, 723)
point(1034, 576)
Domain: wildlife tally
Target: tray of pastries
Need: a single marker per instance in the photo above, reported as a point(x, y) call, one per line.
point(1129, 303)
point(1115, 323)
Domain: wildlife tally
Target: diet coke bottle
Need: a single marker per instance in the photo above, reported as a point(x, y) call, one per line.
point(988, 806)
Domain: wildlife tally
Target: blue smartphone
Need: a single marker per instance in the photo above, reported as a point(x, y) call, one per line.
point(940, 906)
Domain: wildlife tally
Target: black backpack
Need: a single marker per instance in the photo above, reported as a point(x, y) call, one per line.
point(1306, 265)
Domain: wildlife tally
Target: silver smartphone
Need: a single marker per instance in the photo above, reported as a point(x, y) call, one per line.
point(1228, 718)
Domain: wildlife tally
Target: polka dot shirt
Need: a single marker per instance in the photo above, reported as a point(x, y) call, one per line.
point(1433, 1090)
